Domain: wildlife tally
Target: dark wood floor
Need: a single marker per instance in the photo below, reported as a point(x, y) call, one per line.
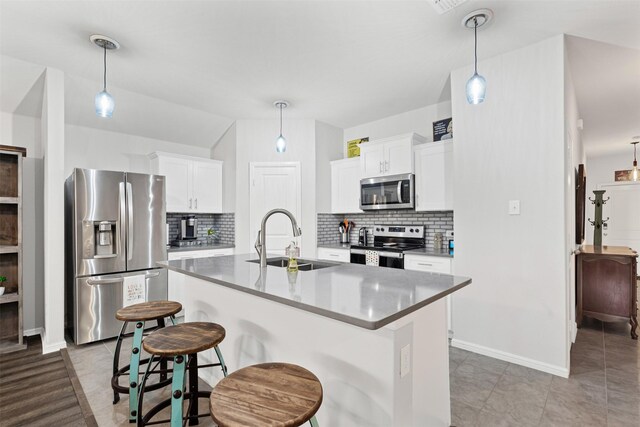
point(41, 390)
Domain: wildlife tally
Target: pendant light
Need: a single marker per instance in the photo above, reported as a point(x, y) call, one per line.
point(635, 174)
point(476, 85)
point(281, 142)
point(104, 102)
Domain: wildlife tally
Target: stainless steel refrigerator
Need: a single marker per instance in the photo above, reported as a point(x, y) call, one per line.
point(115, 234)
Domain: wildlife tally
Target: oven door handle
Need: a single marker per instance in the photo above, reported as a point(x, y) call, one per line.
point(398, 255)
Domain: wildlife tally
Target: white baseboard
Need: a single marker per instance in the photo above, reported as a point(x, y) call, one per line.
point(512, 358)
point(51, 347)
point(33, 332)
point(574, 331)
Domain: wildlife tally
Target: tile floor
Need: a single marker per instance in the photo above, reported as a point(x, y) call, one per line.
point(603, 389)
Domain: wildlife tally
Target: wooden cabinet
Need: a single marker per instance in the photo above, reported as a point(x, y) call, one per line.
point(345, 186)
point(175, 288)
point(192, 184)
point(334, 254)
point(389, 156)
point(434, 176)
point(607, 285)
point(11, 328)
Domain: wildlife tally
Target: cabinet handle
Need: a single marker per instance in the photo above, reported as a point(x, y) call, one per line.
point(380, 167)
point(334, 255)
point(190, 201)
point(196, 203)
point(386, 165)
point(425, 264)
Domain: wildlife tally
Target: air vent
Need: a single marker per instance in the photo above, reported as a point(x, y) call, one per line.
point(444, 6)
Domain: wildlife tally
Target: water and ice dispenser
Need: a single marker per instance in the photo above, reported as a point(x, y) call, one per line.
point(100, 239)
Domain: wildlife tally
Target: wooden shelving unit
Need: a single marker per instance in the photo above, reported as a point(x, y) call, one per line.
point(11, 328)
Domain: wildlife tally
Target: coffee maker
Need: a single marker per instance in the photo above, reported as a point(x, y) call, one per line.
point(189, 228)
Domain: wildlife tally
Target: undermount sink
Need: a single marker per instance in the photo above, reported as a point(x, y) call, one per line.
point(303, 264)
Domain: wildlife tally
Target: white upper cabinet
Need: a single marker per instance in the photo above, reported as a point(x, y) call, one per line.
point(389, 156)
point(434, 176)
point(345, 186)
point(192, 184)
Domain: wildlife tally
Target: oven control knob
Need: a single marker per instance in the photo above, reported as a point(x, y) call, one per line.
point(411, 230)
point(377, 228)
point(382, 229)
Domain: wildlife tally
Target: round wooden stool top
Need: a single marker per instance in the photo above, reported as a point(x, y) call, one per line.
point(182, 339)
point(148, 311)
point(273, 394)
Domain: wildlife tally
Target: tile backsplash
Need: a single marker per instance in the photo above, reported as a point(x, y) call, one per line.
point(223, 223)
point(433, 222)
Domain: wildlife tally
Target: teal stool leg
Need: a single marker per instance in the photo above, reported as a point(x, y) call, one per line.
point(177, 391)
point(221, 359)
point(314, 422)
point(136, 349)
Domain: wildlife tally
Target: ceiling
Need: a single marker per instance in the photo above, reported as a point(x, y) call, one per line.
point(187, 69)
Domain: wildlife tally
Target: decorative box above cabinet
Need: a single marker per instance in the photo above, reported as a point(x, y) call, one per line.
point(389, 156)
point(345, 186)
point(193, 184)
point(434, 176)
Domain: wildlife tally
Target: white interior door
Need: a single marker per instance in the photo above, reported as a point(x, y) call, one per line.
point(274, 185)
point(623, 210)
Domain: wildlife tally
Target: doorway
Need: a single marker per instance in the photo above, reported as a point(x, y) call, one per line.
point(274, 185)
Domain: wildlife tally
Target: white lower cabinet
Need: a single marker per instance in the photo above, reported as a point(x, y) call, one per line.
point(433, 264)
point(330, 254)
point(175, 289)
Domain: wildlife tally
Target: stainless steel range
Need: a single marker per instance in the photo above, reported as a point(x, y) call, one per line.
point(388, 246)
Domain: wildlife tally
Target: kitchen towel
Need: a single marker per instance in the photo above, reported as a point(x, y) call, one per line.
point(134, 290)
point(372, 258)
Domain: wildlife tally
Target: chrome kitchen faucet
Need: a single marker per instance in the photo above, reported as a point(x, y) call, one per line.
point(261, 244)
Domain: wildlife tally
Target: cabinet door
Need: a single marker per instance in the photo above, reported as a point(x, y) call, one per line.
point(398, 157)
point(177, 184)
point(371, 160)
point(207, 187)
point(345, 186)
point(434, 177)
point(340, 255)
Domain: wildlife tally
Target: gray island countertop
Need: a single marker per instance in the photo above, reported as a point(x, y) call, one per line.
point(365, 296)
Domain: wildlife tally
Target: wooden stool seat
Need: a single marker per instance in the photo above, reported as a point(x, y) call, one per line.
point(273, 394)
point(148, 311)
point(183, 339)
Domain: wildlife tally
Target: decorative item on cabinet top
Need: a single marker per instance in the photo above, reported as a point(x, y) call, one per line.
point(193, 184)
point(353, 147)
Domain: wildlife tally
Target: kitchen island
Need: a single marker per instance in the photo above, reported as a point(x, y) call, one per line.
point(375, 337)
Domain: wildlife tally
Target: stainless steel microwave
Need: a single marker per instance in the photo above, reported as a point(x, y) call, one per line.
point(387, 192)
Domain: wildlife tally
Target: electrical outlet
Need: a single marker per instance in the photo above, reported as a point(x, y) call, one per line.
point(405, 360)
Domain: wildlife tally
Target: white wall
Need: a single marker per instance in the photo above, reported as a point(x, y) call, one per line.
point(419, 121)
point(21, 131)
point(511, 147)
point(255, 141)
point(98, 149)
point(53, 143)
point(225, 149)
point(329, 143)
point(600, 170)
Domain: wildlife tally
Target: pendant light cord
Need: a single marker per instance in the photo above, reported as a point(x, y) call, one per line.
point(105, 68)
point(475, 47)
point(280, 119)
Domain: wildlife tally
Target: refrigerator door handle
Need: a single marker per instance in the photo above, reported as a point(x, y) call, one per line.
point(151, 275)
point(105, 281)
point(122, 235)
point(129, 221)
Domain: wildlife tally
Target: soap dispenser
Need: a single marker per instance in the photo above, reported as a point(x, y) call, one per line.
point(292, 252)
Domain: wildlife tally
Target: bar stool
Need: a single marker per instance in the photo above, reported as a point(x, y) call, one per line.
point(139, 313)
point(274, 394)
point(181, 342)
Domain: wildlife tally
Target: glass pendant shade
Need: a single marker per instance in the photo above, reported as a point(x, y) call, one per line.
point(635, 174)
point(476, 89)
point(104, 104)
point(281, 144)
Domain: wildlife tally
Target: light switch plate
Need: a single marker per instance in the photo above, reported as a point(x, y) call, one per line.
point(405, 360)
point(514, 207)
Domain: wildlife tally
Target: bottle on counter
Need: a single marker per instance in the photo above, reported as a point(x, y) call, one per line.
point(293, 253)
